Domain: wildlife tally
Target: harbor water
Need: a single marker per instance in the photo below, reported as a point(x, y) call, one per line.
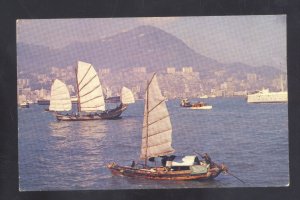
point(251, 139)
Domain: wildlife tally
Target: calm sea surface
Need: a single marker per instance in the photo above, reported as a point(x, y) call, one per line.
point(251, 139)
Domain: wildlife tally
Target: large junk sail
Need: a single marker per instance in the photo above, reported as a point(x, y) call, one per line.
point(127, 96)
point(60, 97)
point(157, 128)
point(90, 94)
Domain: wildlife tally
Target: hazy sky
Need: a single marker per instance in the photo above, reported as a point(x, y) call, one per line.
point(254, 40)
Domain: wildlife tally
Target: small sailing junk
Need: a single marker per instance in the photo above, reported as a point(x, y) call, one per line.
point(90, 98)
point(157, 145)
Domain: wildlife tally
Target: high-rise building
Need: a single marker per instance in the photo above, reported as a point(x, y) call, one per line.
point(187, 69)
point(140, 69)
point(171, 70)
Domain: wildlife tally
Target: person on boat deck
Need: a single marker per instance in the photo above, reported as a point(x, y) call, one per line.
point(166, 158)
point(164, 161)
point(207, 158)
point(133, 164)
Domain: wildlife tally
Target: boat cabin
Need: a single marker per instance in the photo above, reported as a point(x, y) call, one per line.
point(185, 103)
point(178, 163)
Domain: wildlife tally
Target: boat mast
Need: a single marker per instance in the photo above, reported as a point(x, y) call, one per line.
point(78, 97)
point(147, 114)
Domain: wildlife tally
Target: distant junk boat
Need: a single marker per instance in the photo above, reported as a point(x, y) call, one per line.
point(156, 143)
point(90, 99)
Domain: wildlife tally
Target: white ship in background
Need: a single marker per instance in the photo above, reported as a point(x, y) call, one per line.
point(265, 96)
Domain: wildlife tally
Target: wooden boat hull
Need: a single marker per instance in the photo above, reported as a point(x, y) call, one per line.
point(162, 173)
point(43, 102)
point(24, 105)
point(115, 99)
point(186, 106)
point(201, 107)
point(110, 114)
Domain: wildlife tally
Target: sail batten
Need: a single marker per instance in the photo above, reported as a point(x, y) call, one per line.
point(160, 144)
point(90, 92)
point(92, 100)
point(156, 106)
point(60, 99)
point(87, 93)
point(81, 87)
point(80, 81)
point(157, 130)
point(157, 133)
point(149, 124)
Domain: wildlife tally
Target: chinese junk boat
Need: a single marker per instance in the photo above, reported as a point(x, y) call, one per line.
point(90, 100)
point(156, 144)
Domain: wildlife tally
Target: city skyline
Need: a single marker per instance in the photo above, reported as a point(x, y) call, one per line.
point(253, 40)
point(175, 83)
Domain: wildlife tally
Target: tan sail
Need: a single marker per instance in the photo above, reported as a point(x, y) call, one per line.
point(60, 97)
point(90, 94)
point(127, 96)
point(157, 128)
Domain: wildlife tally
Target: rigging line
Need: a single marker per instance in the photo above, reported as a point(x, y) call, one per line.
point(98, 86)
point(84, 74)
point(157, 133)
point(83, 102)
point(60, 93)
point(156, 106)
point(160, 144)
point(171, 114)
point(236, 177)
point(56, 88)
point(147, 125)
point(89, 107)
point(168, 115)
point(88, 82)
point(147, 118)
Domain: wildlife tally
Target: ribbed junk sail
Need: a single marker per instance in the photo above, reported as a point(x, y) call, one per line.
point(127, 96)
point(60, 97)
point(157, 128)
point(90, 94)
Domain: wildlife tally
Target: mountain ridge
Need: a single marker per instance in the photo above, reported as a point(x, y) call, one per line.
point(143, 46)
